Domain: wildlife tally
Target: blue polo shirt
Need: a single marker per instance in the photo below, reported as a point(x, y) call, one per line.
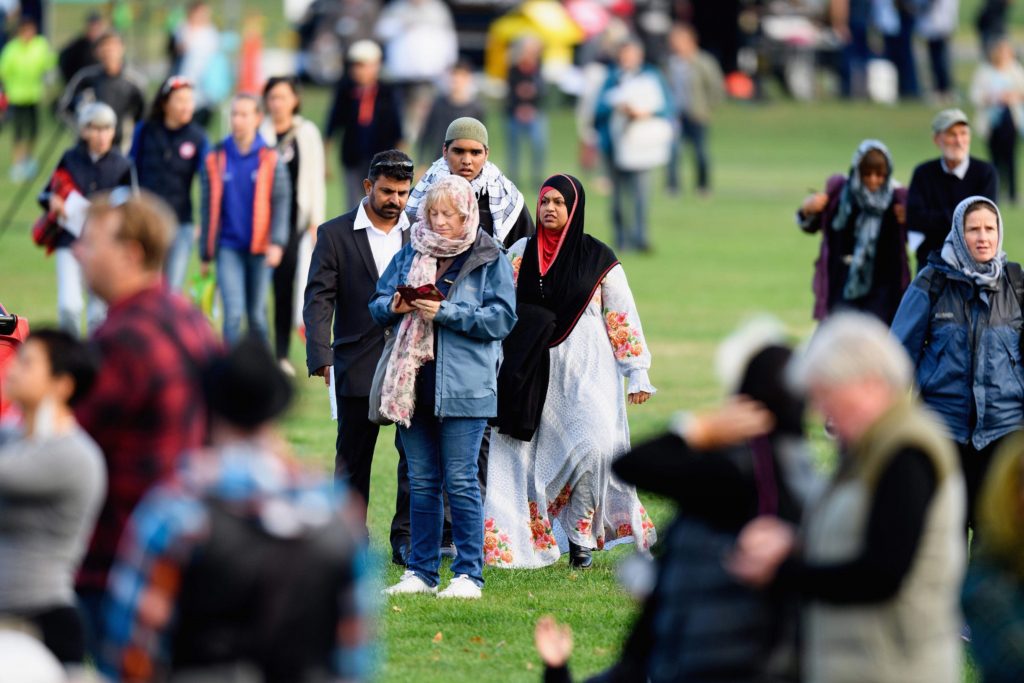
point(239, 194)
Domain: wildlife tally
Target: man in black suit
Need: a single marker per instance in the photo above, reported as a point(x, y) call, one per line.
point(351, 252)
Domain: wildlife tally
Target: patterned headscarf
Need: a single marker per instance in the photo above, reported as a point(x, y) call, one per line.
point(871, 206)
point(958, 256)
point(414, 344)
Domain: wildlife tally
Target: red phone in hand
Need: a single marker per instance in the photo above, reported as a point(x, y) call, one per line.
point(428, 291)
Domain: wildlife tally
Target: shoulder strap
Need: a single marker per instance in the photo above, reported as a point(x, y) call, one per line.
point(1016, 275)
point(936, 285)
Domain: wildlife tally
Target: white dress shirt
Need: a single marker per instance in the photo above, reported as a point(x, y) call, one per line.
point(960, 170)
point(384, 245)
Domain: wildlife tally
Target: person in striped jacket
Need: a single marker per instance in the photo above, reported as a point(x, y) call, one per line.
point(244, 213)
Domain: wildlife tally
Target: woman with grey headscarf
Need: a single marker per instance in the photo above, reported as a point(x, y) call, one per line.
point(862, 217)
point(960, 321)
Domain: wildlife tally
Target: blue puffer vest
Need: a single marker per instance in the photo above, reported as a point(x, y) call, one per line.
point(966, 348)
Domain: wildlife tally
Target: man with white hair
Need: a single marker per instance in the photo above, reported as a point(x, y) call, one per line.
point(937, 186)
point(882, 555)
point(365, 113)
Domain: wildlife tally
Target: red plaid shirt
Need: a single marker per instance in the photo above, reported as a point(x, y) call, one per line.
point(146, 408)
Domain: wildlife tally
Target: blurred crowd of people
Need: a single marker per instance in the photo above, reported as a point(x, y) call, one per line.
point(149, 499)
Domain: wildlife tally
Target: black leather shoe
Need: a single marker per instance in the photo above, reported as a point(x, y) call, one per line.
point(400, 554)
point(579, 557)
point(448, 550)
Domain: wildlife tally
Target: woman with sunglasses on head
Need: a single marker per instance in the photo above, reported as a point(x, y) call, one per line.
point(168, 148)
point(301, 147)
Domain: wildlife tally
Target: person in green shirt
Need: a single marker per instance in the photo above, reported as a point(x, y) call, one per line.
point(23, 64)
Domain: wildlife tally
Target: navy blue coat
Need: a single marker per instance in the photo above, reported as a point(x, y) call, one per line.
point(966, 349)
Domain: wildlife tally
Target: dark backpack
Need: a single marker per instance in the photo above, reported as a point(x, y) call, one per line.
point(1013, 271)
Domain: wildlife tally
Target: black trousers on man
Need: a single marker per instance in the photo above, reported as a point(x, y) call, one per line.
point(357, 438)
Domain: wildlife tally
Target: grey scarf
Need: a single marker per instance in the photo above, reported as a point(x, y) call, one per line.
point(956, 254)
point(871, 206)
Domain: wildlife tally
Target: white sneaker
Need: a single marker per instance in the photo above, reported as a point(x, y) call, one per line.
point(461, 587)
point(410, 583)
point(287, 368)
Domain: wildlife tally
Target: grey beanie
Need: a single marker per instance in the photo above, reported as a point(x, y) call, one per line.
point(96, 114)
point(467, 128)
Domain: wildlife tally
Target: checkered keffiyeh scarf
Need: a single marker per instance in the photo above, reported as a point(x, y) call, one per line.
point(504, 199)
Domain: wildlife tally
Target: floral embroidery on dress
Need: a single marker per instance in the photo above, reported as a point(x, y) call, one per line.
point(559, 503)
point(584, 525)
point(497, 548)
point(624, 337)
point(647, 527)
point(624, 530)
point(517, 263)
point(597, 297)
point(540, 529)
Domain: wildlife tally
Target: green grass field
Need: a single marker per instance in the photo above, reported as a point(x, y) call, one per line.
point(716, 261)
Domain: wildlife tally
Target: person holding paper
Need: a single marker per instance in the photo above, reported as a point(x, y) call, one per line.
point(92, 165)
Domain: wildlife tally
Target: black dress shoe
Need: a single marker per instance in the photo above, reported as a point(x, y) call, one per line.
point(579, 557)
point(400, 554)
point(448, 550)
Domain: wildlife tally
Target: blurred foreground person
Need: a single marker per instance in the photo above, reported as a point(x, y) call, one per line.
point(993, 597)
point(937, 186)
point(52, 483)
point(961, 324)
point(881, 554)
point(862, 219)
point(722, 468)
point(146, 407)
point(240, 566)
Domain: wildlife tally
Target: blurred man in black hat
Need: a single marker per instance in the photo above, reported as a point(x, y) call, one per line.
point(241, 565)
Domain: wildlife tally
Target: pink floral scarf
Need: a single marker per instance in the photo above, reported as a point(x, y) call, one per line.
point(414, 344)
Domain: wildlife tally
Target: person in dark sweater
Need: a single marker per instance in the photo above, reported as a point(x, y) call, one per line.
point(460, 101)
point(80, 52)
point(365, 113)
point(110, 81)
point(881, 553)
point(937, 186)
point(168, 150)
point(91, 166)
point(722, 468)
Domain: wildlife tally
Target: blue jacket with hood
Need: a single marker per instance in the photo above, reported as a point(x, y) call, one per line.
point(966, 349)
point(478, 313)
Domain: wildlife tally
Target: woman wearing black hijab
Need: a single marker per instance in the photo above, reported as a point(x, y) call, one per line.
point(561, 412)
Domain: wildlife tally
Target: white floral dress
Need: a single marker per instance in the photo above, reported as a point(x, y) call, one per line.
point(560, 484)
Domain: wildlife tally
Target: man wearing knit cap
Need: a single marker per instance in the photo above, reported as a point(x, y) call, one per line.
point(366, 114)
point(937, 186)
point(503, 211)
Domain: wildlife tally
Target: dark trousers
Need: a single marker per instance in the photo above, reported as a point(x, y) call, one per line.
point(62, 631)
point(90, 606)
point(975, 464)
point(899, 50)
point(853, 78)
point(694, 134)
point(357, 438)
point(938, 58)
point(1002, 149)
point(284, 295)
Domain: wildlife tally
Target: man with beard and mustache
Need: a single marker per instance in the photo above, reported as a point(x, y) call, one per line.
point(351, 252)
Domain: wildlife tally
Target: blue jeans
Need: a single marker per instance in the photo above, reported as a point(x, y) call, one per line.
point(536, 131)
point(243, 280)
point(853, 78)
point(443, 453)
point(178, 256)
point(630, 222)
point(899, 50)
point(697, 135)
